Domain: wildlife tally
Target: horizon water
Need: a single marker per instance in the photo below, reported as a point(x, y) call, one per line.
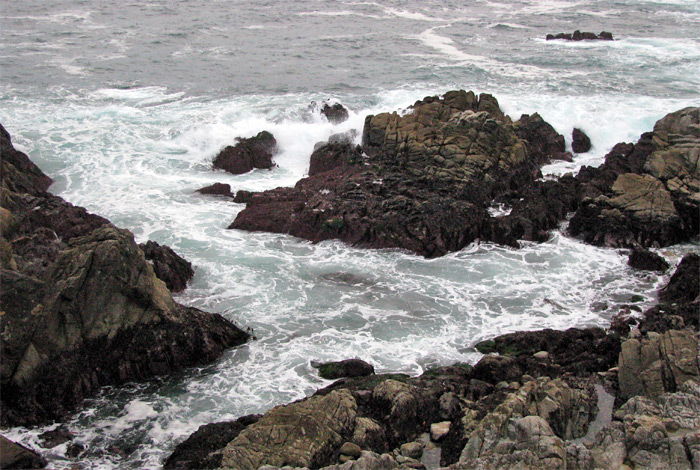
point(126, 105)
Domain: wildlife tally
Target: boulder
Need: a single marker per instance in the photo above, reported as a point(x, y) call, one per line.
point(217, 189)
point(170, 268)
point(543, 142)
point(438, 431)
point(684, 285)
point(303, 434)
point(13, 455)
point(335, 113)
point(247, 154)
point(346, 368)
point(646, 260)
point(580, 143)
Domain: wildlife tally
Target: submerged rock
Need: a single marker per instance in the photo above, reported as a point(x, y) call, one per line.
point(217, 189)
point(579, 36)
point(646, 260)
point(247, 154)
point(82, 307)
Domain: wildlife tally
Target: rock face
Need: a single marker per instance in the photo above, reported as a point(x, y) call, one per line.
point(82, 307)
point(253, 152)
point(580, 142)
point(646, 194)
point(170, 268)
point(303, 434)
point(424, 182)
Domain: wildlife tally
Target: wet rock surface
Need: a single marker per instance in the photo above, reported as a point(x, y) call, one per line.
point(247, 154)
point(170, 268)
point(82, 307)
point(422, 181)
point(346, 368)
point(581, 36)
point(580, 143)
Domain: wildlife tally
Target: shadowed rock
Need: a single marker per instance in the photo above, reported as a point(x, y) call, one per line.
point(247, 154)
point(170, 268)
point(335, 113)
point(580, 143)
point(217, 189)
point(646, 260)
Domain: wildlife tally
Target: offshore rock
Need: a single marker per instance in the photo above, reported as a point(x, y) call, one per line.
point(647, 194)
point(170, 268)
point(424, 182)
point(217, 189)
point(335, 113)
point(346, 368)
point(579, 36)
point(580, 143)
point(82, 307)
point(247, 154)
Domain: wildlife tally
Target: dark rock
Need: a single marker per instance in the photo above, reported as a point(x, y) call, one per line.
point(335, 113)
point(19, 173)
point(170, 268)
point(425, 184)
point(643, 195)
point(334, 155)
point(13, 455)
point(243, 196)
point(684, 285)
point(253, 152)
point(580, 142)
point(82, 307)
point(646, 260)
point(218, 189)
point(543, 142)
point(202, 450)
point(346, 368)
point(580, 36)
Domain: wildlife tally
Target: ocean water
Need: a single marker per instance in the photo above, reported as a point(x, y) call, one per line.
point(125, 105)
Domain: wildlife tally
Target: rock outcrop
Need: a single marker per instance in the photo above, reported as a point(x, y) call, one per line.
point(646, 260)
point(580, 143)
point(217, 189)
point(579, 36)
point(13, 455)
point(247, 154)
point(82, 307)
point(170, 268)
point(346, 368)
point(646, 194)
point(422, 181)
point(335, 113)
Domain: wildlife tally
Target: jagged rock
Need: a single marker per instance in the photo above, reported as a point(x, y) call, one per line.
point(646, 194)
point(335, 113)
point(346, 368)
point(170, 268)
point(19, 173)
point(202, 450)
point(217, 189)
point(247, 154)
point(425, 184)
point(580, 143)
point(101, 317)
point(13, 455)
point(303, 434)
point(544, 143)
point(646, 260)
point(684, 285)
point(657, 363)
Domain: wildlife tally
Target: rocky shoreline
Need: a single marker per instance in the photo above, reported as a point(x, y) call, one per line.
point(84, 306)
